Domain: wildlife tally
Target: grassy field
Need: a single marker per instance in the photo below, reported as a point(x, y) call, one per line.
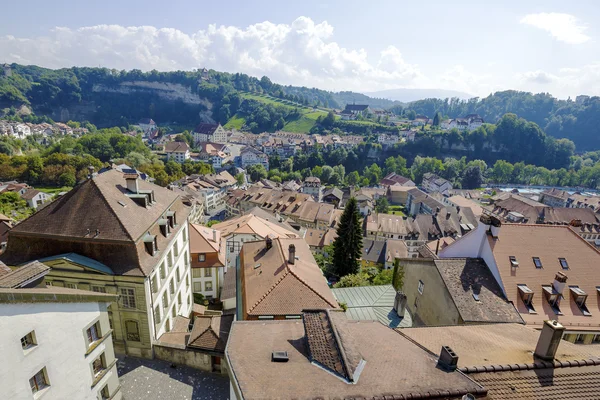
point(53, 190)
point(396, 210)
point(236, 122)
point(301, 125)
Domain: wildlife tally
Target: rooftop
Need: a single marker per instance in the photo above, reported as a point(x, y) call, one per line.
point(372, 303)
point(24, 275)
point(177, 147)
point(366, 353)
point(273, 286)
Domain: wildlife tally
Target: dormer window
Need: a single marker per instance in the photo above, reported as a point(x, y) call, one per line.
point(526, 295)
point(553, 298)
point(172, 218)
point(537, 262)
point(513, 261)
point(580, 296)
point(150, 243)
point(563, 263)
point(165, 227)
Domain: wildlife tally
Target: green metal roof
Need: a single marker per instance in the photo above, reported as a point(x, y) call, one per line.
point(81, 260)
point(372, 303)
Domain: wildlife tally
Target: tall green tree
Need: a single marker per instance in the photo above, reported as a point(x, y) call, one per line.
point(437, 119)
point(347, 247)
point(382, 205)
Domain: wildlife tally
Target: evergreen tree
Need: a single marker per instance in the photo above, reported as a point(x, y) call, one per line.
point(437, 119)
point(347, 247)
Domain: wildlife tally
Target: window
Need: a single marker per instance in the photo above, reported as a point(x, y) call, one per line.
point(154, 284)
point(563, 263)
point(104, 393)
point(187, 281)
point(168, 325)
point(421, 286)
point(177, 275)
point(93, 333)
point(28, 340)
point(537, 262)
point(128, 297)
point(179, 299)
point(208, 286)
point(580, 296)
point(165, 300)
point(552, 296)
point(39, 381)
point(71, 285)
point(184, 235)
point(579, 338)
point(170, 260)
point(99, 289)
point(171, 286)
point(513, 261)
point(174, 312)
point(527, 297)
point(197, 286)
point(99, 364)
point(596, 339)
point(157, 314)
point(208, 272)
point(201, 257)
point(162, 271)
point(133, 332)
point(196, 273)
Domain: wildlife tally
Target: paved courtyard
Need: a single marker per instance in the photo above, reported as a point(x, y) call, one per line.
point(154, 379)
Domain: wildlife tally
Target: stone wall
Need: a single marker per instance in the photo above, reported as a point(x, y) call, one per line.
point(188, 357)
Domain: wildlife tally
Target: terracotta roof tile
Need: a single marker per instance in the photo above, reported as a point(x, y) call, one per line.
point(210, 332)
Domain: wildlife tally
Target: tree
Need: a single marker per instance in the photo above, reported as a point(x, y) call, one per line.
point(382, 205)
point(437, 119)
point(240, 179)
point(353, 280)
point(398, 275)
point(347, 247)
point(35, 168)
point(328, 121)
point(352, 178)
point(472, 177)
point(256, 172)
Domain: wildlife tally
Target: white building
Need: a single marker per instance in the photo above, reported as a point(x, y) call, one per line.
point(433, 183)
point(208, 260)
point(35, 198)
point(56, 343)
point(387, 140)
point(21, 131)
point(214, 133)
point(177, 151)
point(147, 125)
point(251, 156)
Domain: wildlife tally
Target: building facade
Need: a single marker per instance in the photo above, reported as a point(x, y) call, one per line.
point(59, 345)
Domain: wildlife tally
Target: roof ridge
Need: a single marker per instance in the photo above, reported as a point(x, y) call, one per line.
point(103, 198)
point(268, 291)
point(311, 288)
point(538, 364)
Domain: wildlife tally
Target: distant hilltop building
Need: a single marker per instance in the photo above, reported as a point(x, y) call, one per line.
point(353, 110)
point(7, 70)
point(469, 123)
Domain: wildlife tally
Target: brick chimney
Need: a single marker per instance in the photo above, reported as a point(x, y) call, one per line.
point(549, 340)
point(292, 256)
point(448, 359)
point(560, 281)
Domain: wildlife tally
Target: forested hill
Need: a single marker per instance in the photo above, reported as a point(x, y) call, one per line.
point(578, 121)
point(109, 97)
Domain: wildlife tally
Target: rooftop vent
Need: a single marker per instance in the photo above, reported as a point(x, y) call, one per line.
point(292, 255)
point(280, 356)
point(448, 359)
point(549, 340)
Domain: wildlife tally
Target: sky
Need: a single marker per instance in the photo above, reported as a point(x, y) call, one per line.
point(477, 47)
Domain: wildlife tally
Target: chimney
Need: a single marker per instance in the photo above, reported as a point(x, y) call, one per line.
point(292, 257)
point(91, 171)
point(549, 340)
point(269, 242)
point(214, 232)
point(560, 281)
point(400, 304)
point(132, 182)
point(448, 359)
point(495, 228)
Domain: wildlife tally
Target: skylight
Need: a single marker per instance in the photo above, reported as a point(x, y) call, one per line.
point(537, 262)
point(563, 263)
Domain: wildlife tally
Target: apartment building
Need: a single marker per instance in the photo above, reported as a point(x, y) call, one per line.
point(59, 345)
point(116, 234)
point(208, 260)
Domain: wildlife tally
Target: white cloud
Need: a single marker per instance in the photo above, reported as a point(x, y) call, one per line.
point(301, 53)
point(539, 76)
point(563, 27)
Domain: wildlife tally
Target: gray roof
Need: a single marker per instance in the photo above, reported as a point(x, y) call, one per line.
point(337, 193)
point(374, 251)
point(372, 303)
point(475, 292)
point(24, 275)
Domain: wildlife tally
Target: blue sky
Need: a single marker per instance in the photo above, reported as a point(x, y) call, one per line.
point(473, 46)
